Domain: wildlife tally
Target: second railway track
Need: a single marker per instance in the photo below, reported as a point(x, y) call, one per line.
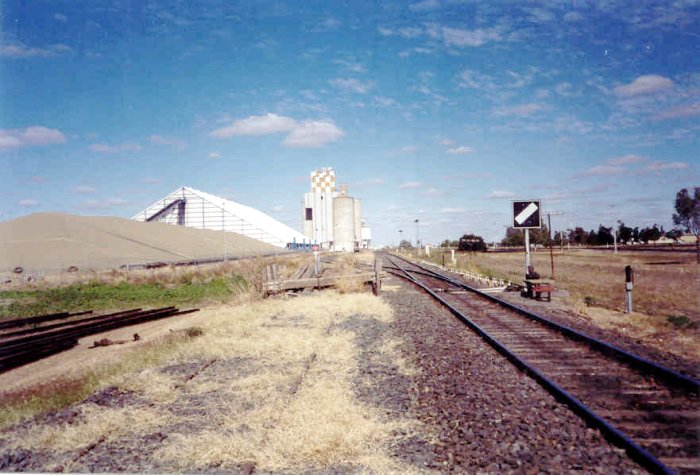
point(652, 412)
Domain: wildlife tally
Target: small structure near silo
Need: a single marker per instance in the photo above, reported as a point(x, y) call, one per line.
point(331, 217)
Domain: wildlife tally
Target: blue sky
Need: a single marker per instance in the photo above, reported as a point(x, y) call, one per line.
point(439, 110)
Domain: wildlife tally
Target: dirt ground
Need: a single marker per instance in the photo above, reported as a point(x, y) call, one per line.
point(325, 382)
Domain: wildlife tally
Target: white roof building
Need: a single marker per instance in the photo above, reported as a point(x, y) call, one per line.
point(197, 209)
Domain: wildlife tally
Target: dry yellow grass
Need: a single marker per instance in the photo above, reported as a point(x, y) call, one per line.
point(294, 410)
point(665, 284)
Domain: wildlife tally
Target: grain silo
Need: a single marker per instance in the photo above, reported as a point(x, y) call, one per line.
point(357, 223)
point(344, 222)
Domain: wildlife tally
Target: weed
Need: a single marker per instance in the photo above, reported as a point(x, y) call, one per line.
point(590, 301)
point(681, 322)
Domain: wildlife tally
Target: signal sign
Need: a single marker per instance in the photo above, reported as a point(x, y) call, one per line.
point(526, 214)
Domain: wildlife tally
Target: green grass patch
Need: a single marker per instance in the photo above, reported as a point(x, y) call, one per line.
point(124, 295)
point(681, 322)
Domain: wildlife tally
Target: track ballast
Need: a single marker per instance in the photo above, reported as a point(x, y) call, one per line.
point(650, 411)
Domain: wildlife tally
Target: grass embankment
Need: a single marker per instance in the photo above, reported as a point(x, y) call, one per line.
point(118, 296)
point(120, 290)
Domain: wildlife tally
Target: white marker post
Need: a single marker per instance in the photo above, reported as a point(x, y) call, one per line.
point(526, 215)
point(527, 251)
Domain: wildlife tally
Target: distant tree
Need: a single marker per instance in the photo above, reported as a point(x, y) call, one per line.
point(650, 233)
point(674, 234)
point(578, 235)
point(592, 238)
point(448, 243)
point(604, 235)
point(404, 244)
point(472, 242)
point(687, 215)
point(560, 237)
point(514, 237)
point(635, 234)
point(540, 236)
point(624, 233)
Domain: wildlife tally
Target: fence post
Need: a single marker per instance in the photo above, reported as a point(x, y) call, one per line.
point(377, 284)
point(629, 284)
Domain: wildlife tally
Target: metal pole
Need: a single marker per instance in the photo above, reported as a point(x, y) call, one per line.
point(527, 251)
point(551, 251)
point(615, 239)
point(417, 236)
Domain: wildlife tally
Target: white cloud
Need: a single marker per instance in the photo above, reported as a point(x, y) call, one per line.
point(84, 190)
point(19, 50)
point(679, 112)
point(60, 17)
point(106, 148)
point(351, 65)
point(28, 203)
point(29, 137)
point(416, 50)
point(521, 110)
point(160, 140)
point(433, 192)
point(256, 125)
point(625, 160)
point(352, 85)
point(461, 150)
point(660, 165)
point(461, 38)
point(501, 194)
point(306, 134)
point(409, 149)
point(215, 155)
point(446, 142)
point(424, 5)
point(604, 170)
point(648, 84)
point(311, 134)
point(573, 17)
point(410, 184)
point(381, 101)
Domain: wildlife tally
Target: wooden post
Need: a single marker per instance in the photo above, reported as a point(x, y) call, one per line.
point(377, 284)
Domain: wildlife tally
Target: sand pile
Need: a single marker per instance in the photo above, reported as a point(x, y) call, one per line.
point(51, 242)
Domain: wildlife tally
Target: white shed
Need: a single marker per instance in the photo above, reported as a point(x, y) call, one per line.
point(197, 209)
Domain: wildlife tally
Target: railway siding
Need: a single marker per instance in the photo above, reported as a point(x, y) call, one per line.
point(597, 374)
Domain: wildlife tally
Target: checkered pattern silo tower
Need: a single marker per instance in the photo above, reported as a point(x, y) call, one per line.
point(323, 180)
point(317, 207)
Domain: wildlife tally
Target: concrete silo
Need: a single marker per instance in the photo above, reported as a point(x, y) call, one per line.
point(344, 222)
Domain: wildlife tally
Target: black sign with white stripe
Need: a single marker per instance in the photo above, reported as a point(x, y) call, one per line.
point(526, 214)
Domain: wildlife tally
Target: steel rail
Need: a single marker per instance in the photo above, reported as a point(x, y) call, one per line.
point(69, 323)
point(614, 435)
point(31, 348)
point(677, 379)
point(18, 322)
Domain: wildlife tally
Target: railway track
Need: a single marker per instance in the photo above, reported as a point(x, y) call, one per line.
point(59, 332)
point(650, 411)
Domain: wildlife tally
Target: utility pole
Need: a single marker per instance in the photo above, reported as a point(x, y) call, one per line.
point(417, 235)
point(549, 226)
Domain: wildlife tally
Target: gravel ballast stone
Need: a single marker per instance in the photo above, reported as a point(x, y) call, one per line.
point(482, 413)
